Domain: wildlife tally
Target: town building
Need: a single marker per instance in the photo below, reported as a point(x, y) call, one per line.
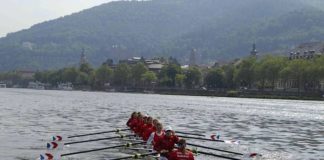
point(154, 65)
point(26, 74)
point(36, 85)
point(298, 55)
point(3, 85)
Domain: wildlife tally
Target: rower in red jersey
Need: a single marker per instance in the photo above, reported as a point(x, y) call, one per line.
point(181, 153)
point(155, 121)
point(139, 123)
point(131, 121)
point(148, 129)
point(166, 143)
point(155, 136)
point(142, 128)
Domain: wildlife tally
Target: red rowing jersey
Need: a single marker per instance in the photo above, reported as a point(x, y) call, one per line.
point(166, 143)
point(141, 129)
point(153, 139)
point(147, 132)
point(133, 123)
point(179, 155)
point(138, 126)
point(157, 137)
point(129, 121)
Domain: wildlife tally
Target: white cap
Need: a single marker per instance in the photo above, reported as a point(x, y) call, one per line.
point(168, 128)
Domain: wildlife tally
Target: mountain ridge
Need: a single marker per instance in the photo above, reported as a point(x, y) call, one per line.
point(219, 30)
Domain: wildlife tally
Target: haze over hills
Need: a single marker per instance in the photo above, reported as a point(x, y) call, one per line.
point(218, 29)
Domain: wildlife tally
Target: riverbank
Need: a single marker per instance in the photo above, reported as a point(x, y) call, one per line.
point(294, 95)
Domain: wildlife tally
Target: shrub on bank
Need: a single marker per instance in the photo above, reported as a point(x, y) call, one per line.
point(232, 93)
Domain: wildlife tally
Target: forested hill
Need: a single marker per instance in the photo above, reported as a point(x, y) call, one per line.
point(218, 29)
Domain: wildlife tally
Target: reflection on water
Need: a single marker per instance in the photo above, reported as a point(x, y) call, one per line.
point(279, 129)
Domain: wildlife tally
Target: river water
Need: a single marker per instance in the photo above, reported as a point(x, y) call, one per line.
point(278, 129)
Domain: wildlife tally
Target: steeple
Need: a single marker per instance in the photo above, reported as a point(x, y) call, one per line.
point(192, 58)
point(254, 52)
point(83, 59)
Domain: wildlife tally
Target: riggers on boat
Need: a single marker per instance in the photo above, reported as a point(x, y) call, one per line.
point(139, 149)
point(136, 143)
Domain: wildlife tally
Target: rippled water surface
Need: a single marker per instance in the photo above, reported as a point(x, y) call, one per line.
point(279, 129)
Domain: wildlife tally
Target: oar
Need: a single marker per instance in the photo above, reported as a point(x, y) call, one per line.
point(133, 140)
point(141, 149)
point(215, 140)
point(188, 133)
point(221, 150)
point(100, 139)
point(50, 156)
point(55, 145)
point(136, 156)
point(100, 149)
point(215, 155)
point(215, 149)
point(89, 134)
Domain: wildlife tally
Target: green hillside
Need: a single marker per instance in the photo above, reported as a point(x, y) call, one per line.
point(218, 29)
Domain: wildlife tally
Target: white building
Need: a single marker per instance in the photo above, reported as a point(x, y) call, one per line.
point(3, 85)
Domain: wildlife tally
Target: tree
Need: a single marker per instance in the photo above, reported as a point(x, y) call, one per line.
point(108, 62)
point(92, 79)
point(260, 73)
point(244, 72)
point(55, 77)
point(168, 74)
point(215, 79)
point(86, 68)
point(83, 79)
point(180, 80)
point(314, 73)
point(172, 60)
point(69, 75)
point(148, 77)
point(295, 70)
point(137, 71)
point(267, 70)
point(122, 74)
point(193, 77)
point(228, 71)
point(312, 76)
point(42, 76)
point(13, 77)
point(319, 64)
point(103, 75)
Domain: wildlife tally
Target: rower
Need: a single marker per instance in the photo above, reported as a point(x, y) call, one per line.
point(131, 120)
point(139, 123)
point(181, 153)
point(166, 143)
point(147, 129)
point(143, 127)
point(155, 136)
point(155, 121)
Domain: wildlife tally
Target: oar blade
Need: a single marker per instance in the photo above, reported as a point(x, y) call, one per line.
point(96, 133)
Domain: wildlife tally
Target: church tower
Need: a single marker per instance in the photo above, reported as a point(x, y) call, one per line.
point(83, 58)
point(192, 58)
point(254, 52)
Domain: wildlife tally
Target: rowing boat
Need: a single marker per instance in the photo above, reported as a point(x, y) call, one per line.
point(141, 149)
point(131, 145)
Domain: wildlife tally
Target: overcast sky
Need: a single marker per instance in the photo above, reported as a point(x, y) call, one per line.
point(22, 14)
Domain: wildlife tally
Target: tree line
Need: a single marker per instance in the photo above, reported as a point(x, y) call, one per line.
point(247, 73)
